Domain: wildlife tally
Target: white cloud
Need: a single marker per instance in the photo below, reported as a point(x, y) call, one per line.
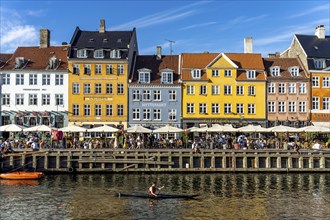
point(312, 11)
point(199, 25)
point(37, 13)
point(244, 19)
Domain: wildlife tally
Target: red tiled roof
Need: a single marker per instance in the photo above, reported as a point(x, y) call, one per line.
point(247, 60)
point(284, 64)
point(4, 57)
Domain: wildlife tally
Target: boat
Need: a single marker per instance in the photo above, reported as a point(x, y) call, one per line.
point(159, 196)
point(4, 182)
point(21, 175)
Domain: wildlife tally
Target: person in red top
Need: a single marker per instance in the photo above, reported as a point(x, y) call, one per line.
point(153, 188)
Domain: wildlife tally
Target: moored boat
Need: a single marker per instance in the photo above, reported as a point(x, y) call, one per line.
point(20, 175)
point(159, 196)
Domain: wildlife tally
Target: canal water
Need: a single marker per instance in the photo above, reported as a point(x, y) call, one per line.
point(222, 196)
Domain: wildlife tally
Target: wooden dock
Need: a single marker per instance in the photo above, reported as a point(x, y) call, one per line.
point(167, 160)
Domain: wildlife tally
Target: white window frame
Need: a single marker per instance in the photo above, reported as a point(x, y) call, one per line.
point(240, 108)
point(144, 77)
point(98, 110)
point(271, 88)
point(157, 114)
point(98, 69)
point(87, 88)
point(19, 79)
point(281, 107)
point(109, 88)
point(6, 79)
point(315, 103)
point(227, 108)
point(59, 80)
point(294, 71)
point(157, 95)
point(227, 90)
point(190, 108)
point(227, 73)
point(251, 74)
point(45, 79)
point(98, 88)
point(251, 109)
point(59, 99)
point(292, 106)
point(302, 88)
point(302, 106)
point(215, 108)
point(326, 82)
point(239, 90)
point(115, 54)
point(315, 81)
point(172, 114)
point(172, 95)
point(271, 107)
point(109, 110)
point(120, 69)
point(326, 103)
point(215, 73)
point(76, 69)
point(33, 79)
point(87, 110)
point(251, 90)
point(167, 77)
point(281, 88)
point(5, 99)
point(19, 99)
point(87, 69)
point(146, 114)
point(146, 96)
point(120, 88)
point(190, 90)
point(120, 110)
point(99, 53)
point(202, 108)
point(136, 96)
point(319, 63)
point(292, 87)
point(196, 73)
point(75, 88)
point(82, 53)
point(109, 69)
point(45, 99)
point(33, 99)
point(203, 90)
point(275, 71)
point(136, 114)
point(75, 109)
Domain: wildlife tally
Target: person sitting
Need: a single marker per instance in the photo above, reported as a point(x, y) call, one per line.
point(316, 146)
point(34, 145)
point(153, 188)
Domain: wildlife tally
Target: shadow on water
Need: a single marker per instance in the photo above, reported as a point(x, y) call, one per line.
point(221, 196)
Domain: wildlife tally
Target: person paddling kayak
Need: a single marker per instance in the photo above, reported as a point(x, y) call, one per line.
point(153, 188)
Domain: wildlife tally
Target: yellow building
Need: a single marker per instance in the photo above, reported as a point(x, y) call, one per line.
point(99, 67)
point(223, 88)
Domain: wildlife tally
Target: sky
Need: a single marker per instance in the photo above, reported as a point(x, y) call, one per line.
point(191, 26)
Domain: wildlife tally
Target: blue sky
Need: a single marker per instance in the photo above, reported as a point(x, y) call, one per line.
point(194, 26)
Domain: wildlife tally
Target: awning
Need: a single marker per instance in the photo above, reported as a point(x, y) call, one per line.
point(322, 123)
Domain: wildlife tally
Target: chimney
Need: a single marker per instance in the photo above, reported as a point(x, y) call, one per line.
point(102, 26)
point(44, 38)
point(320, 31)
point(159, 53)
point(248, 45)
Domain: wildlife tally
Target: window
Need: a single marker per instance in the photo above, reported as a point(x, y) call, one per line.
point(136, 114)
point(157, 114)
point(82, 53)
point(271, 107)
point(167, 77)
point(157, 96)
point(144, 77)
point(98, 69)
point(227, 90)
point(98, 54)
point(87, 69)
point(315, 103)
point(109, 69)
point(190, 108)
point(98, 88)
point(146, 114)
point(271, 88)
point(33, 79)
point(59, 79)
point(326, 82)
point(45, 79)
point(281, 88)
point(98, 110)
point(227, 73)
point(203, 90)
point(294, 71)
point(251, 109)
point(6, 79)
point(87, 110)
point(326, 103)
point(108, 88)
point(115, 54)
point(5, 99)
point(302, 88)
point(75, 69)
point(120, 88)
point(251, 90)
point(281, 107)
point(172, 95)
point(19, 79)
point(240, 108)
point(136, 95)
point(196, 73)
point(302, 106)
point(202, 108)
point(87, 88)
point(75, 110)
point(109, 111)
point(120, 69)
point(120, 110)
point(215, 73)
point(215, 108)
point(146, 95)
point(33, 99)
point(59, 100)
point(319, 63)
point(227, 108)
point(19, 99)
point(275, 71)
point(239, 90)
point(215, 90)
point(292, 88)
point(45, 99)
point(292, 106)
point(190, 90)
point(75, 88)
point(315, 81)
point(172, 114)
point(251, 74)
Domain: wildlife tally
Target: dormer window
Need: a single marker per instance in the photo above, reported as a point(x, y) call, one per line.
point(144, 76)
point(82, 53)
point(53, 62)
point(319, 63)
point(19, 62)
point(275, 71)
point(196, 73)
point(294, 71)
point(115, 54)
point(251, 74)
point(98, 53)
point(167, 77)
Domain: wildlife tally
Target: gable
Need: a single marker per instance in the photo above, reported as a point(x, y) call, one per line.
point(222, 61)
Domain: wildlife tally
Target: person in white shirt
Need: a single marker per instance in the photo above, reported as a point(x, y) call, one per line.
point(316, 146)
point(35, 145)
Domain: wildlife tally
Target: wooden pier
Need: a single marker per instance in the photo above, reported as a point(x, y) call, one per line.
point(167, 160)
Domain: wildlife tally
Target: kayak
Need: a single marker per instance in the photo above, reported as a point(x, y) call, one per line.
point(18, 175)
point(159, 196)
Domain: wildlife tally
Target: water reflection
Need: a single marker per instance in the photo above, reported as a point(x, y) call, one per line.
point(222, 196)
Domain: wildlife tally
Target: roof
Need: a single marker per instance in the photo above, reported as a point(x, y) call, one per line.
point(314, 46)
point(150, 62)
point(4, 57)
point(284, 64)
point(247, 60)
point(36, 58)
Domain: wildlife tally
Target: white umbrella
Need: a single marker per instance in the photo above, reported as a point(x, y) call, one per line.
point(252, 128)
point(73, 128)
point(316, 129)
point(11, 128)
point(192, 129)
point(138, 129)
point(104, 128)
point(229, 128)
point(282, 128)
point(40, 128)
point(168, 129)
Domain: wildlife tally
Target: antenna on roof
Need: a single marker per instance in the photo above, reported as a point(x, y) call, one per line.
point(171, 43)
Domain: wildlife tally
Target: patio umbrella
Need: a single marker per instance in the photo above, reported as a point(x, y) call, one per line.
point(104, 128)
point(316, 129)
point(138, 129)
point(282, 129)
point(40, 128)
point(11, 128)
point(73, 128)
point(229, 128)
point(252, 128)
point(168, 129)
point(192, 129)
